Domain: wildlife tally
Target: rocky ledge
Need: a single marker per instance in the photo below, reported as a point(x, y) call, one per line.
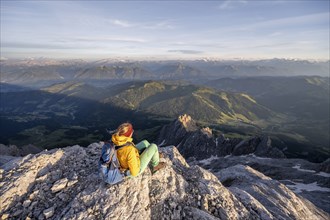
point(307, 179)
point(64, 184)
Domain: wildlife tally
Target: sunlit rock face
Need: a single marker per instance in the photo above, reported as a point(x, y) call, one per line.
point(198, 142)
point(64, 184)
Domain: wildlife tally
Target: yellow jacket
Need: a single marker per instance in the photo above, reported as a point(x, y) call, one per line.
point(128, 156)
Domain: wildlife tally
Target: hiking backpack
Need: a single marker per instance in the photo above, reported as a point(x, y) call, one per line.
point(109, 165)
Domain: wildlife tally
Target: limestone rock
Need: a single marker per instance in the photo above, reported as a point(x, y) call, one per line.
point(59, 185)
point(26, 203)
point(5, 216)
point(49, 212)
point(178, 191)
point(200, 143)
point(258, 191)
point(294, 173)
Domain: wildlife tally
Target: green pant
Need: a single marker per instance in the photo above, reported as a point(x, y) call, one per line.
point(150, 154)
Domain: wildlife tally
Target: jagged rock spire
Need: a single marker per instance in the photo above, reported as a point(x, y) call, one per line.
point(187, 122)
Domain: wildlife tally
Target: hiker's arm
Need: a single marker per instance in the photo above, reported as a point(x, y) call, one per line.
point(133, 163)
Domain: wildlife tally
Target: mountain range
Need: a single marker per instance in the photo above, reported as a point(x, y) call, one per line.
point(301, 96)
point(30, 72)
point(45, 101)
point(80, 111)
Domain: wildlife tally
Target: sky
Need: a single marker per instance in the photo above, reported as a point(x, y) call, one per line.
point(229, 29)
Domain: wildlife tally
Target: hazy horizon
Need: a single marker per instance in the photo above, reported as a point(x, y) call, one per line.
point(165, 30)
point(151, 59)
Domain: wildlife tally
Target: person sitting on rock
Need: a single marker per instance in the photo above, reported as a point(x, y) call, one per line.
point(135, 158)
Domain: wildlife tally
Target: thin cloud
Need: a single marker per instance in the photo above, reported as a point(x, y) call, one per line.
point(224, 5)
point(289, 21)
point(26, 45)
point(229, 4)
point(70, 44)
point(109, 39)
point(275, 24)
point(150, 25)
point(186, 51)
point(267, 46)
point(121, 23)
point(275, 34)
point(158, 25)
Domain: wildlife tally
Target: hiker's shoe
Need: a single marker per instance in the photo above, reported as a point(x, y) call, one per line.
point(158, 167)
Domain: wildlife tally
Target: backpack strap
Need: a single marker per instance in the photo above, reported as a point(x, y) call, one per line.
point(106, 149)
point(112, 152)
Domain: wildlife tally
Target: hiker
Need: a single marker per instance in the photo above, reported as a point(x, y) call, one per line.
point(135, 158)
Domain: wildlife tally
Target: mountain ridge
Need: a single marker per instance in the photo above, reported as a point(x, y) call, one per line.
point(202, 103)
point(34, 71)
point(199, 142)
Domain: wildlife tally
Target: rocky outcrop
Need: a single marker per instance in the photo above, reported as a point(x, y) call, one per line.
point(194, 141)
point(64, 184)
point(257, 191)
point(9, 152)
point(178, 130)
point(303, 177)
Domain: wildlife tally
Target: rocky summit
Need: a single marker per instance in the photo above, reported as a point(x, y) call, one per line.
point(64, 184)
